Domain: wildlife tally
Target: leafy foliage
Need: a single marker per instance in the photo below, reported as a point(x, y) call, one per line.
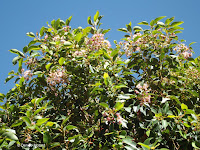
point(73, 91)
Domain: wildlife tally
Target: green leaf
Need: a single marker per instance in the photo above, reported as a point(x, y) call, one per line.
point(73, 137)
point(42, 31)
point(160, 23)
point(130, 142)
point(143, 23)
point(159, 18)
point(68, 21)
point(96, 16)
point(176, 23)
point(144, 145)
point(91, 69)
point(89, 20)
point(164, 123)
point(118, 106)
point(38, 100)
point(46, 138)
point(41, 121)
point(53, 23)
point(124, 96)
point(67, 43)
point(105, 75)
point(164, 99)
point(137, 28)
point(37, 73)
point(128, 26)
point(196, 145)
point(123, 29)
point(48, 66)
point(10, 135)
point(184, 107)
point(18, 123)
point(34, 47)
point(55, 144)
point(15, 51)
point(9, 78)
point(61, 61)
point(57, 23)
point(26, 120)
point(38, 110)
point(169, 20)
point(50, 123)
point(186, 125)
point(114, 52)
point(66, 119)
point(191, 43)
point(171, 116)
point(15, 60)
point(70, 127)
point(86, 31)
point(189, 111)
point(129, 147)
point(148, 132)
point(25, 49)
point(30, 34)
point(152, 23)
point(78, 37)
point(105, 31)
point(119, 86)
point(105, 105)
point(20, 65)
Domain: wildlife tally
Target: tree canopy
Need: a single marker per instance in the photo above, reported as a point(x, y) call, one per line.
point(74, 91)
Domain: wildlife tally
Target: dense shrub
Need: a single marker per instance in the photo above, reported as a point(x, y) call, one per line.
point(73, 91)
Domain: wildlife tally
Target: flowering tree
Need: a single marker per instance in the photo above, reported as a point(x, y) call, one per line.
point(73, 91)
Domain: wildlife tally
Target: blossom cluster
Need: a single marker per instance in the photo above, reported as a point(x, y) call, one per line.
point(183, 50)
point(27, 74)
point(97, 42)
point(109, 117)
point(56, 77)
point(58, 38)
point(133, 43)
point(79, 53)
point(31, 62)
point(143, 92)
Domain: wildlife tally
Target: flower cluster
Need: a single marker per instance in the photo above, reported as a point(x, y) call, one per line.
point(144, 96)
point(56, 77)
point(109, 117)
point(79, 53)
point(97, 42)
point(133, 43)
point(58, 38)
point(183, 50)
point(27, 74)
point(120, 120)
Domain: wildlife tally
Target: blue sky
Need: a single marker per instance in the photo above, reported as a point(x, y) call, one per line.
point(22, 16)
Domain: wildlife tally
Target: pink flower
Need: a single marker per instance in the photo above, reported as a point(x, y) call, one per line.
point(56, 38)
point(108, 118)
point(186, 55)
point(107, 44)
point(145, 86)
point(27, 74)
point(97, 42)
point(136, 91)
point(46, 36)
point(139, 86)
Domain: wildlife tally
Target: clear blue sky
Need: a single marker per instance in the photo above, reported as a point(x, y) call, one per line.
point(21, 16)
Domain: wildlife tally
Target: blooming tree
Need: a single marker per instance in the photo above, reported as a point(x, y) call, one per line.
point(73, 91)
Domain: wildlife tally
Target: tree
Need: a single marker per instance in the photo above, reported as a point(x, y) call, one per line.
point(73, 91)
